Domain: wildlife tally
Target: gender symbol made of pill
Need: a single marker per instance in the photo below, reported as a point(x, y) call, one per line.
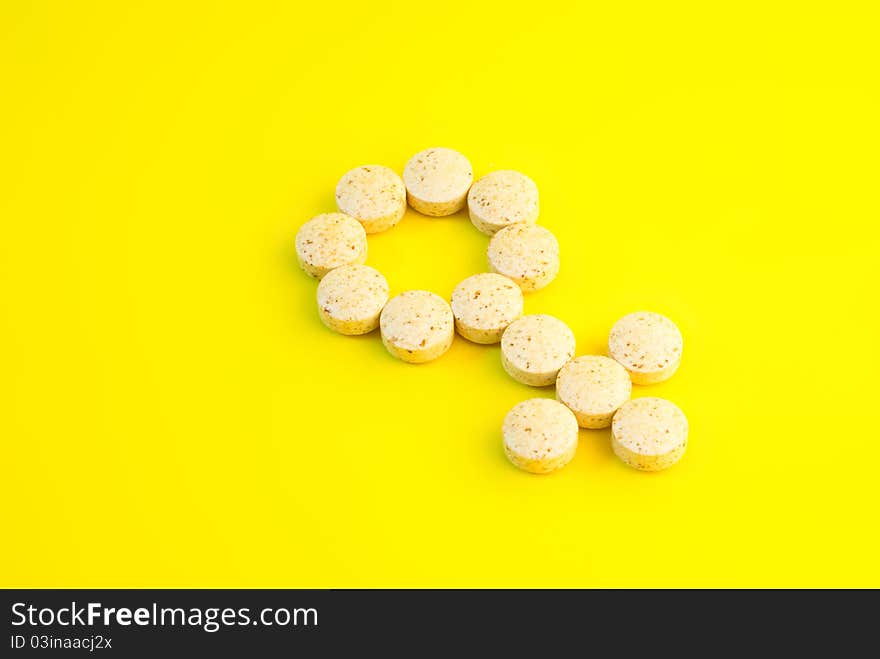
point(593, 391)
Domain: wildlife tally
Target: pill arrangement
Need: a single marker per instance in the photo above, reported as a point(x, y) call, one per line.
point(593, 391)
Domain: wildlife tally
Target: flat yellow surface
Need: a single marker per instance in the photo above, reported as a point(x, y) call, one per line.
point(173, 413)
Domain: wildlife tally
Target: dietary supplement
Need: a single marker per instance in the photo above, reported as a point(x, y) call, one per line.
point(484, 305)
point(329, 241)
point(593, 387)
point(647, 345)
point(437, 181)
point(417, 326)
point(526, 253)
point(649, 434)
point(374, 195)
point(350, 299)
point(535, 347)
point(502, 198)
point(540, 435)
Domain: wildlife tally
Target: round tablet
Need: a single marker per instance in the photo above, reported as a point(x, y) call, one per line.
point(649, 433)
point(535, 347)
point(593, 387)
point(647, 345)
point(417, 326)
point(484, 305)
point(502, 198)
point(374, 195)
point(540, 435)
point(437, 181)
point(328, 241)
point(526, 253)
point(350, 299)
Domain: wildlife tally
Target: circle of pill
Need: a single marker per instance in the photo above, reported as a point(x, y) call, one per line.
point(372, 194)
point(417, 326)
point(526, 253)
point(437, 181)
point(535, 347)
point(328, 241)
point(649, 434)
point(502, 198)
point(484, 305)
point(536, 253)
point(540, 435)
point(647, 345)
point(593, 387)
point(350, 299)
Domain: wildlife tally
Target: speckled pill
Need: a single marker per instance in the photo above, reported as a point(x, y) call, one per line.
point(535, 347)
point(350, 299)
point(527, 254)
point(374, 195)
point(649, 433)
point(437, 181)
point(593, 387)
point(329, 241)
point(417, 326)
point(484, 305)
point(502, 198)
point(647, 345)
point(540, 435)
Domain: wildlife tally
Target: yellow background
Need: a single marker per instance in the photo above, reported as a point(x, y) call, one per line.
point(173, 413)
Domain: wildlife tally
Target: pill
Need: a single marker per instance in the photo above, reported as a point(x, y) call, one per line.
point(350, 299)
point(484, 305)
point(647, 345)
point(540, 435)
point(502, 198)
point(649, 433)
point(437, 181)
point(374, 195)
point(535, 347)
point(417, 326)
point(527, 254)
point(593, 387)
point(329, 241)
